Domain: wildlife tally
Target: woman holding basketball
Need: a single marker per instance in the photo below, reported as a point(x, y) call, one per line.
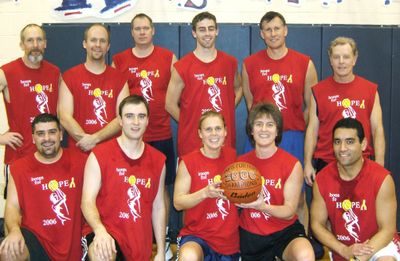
point(211, 222)
point(269, 227)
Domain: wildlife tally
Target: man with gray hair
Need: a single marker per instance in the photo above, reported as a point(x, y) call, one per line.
point(30, 87)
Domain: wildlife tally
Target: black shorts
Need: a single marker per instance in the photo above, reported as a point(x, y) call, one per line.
point(88, 239)
point(167, 148)
point(35, 248)
point(265, 248)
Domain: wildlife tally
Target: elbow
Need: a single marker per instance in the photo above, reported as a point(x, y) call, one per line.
point(177, 205)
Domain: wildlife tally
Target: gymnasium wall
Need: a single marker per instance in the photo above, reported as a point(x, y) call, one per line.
point(379, 60)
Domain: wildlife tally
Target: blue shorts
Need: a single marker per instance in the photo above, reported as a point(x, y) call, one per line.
point(292, 142)
point(167, 148)
point(208, 252)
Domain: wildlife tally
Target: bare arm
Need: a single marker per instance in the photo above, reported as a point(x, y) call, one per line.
point(378, 133)
point(386, 207)
point(310, 142)
point(12, 139)
point(13, 245)
point(238, 88)
point(182, 197)
point(65, 111)
point(311, 80)
point(319, 218)
point(159, 218)
point(89, 141)
point(104, 244)
point(246, 88)
point(291, 192)
point(175, 88)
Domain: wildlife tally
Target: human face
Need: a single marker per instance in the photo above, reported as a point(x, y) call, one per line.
point(134, 121)
point(206, 33)
point(212, 133)
point(342, 61)
point(347, 147)
point(264, 131)
point(96, 44)
point(47, 138)
point(274, 33)
point(33, 44)
point(142, 31)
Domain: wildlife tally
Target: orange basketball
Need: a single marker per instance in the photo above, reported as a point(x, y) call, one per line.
point(241, 182)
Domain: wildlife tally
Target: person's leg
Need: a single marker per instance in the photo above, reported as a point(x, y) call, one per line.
point(256, 247)
point(167, 148)
point(293, 244)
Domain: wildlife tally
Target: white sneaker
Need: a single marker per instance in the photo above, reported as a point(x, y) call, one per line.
point(168, 251)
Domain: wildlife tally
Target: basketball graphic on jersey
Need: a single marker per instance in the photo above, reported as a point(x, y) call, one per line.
point(58, 200)
point(279, 92)
point(214, 93)
point(41, 99)
point(99, 105)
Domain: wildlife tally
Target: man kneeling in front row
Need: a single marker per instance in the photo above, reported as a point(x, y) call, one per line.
point(357, 195)
point(42, 213)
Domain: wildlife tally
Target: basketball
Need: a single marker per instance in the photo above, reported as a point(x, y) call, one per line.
point(241, 182)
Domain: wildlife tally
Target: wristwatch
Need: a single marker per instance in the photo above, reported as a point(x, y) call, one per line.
point(354, 258)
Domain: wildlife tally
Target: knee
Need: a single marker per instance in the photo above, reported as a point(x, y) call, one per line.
point(190, 254)
point(305, 254)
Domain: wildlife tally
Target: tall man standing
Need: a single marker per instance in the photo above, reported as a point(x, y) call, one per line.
point(148, 69)
point(122, 222)
point(343, 95)
point(42, 213)
point(357, 196)
point(90, 94)
point(30, 87)
point(205, 79)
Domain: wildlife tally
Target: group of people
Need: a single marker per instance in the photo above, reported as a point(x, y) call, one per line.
point(120, 153)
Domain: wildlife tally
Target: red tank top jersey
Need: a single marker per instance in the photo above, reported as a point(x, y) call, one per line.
point(95, 97)
point(274, 172)
point(216, 221)
point(149, 77)
point(49, 196)
point(351, 204)
point(280, 82)
point(208, 86)
point(342, 100)
point(32, 92)
point(125, 199)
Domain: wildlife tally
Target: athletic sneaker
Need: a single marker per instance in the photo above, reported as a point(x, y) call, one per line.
point(168, 251)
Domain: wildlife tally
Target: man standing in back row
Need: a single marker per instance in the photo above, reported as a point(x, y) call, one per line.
point(30, 87)
point(203, 80)
point(148, 70)
point(342, 95)
point(90, 94)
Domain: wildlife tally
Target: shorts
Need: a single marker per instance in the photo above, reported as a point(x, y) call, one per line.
point(265, 248)
point(390, 250)
point(292, 142)
point(167, 148)
point(35, 248)
point(88, 239)
point(208, 252)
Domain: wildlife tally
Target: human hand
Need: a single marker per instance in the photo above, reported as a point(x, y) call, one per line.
point(13, 245)
point(12, 139)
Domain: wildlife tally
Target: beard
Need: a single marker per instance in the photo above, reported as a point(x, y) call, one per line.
point(35, 58)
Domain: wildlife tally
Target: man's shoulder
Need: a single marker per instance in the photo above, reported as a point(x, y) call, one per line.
point(75, 69)
point(327, 172)
point(163, 50)
point(362, 81)
point(298, 54)
point(11, 65)
point(48, 65)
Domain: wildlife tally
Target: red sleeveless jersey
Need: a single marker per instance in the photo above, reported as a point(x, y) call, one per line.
point(49, 196)
point(149, 77)
point(216, 221)
point(208, 86)
point(274, 172)
point(32, 92)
